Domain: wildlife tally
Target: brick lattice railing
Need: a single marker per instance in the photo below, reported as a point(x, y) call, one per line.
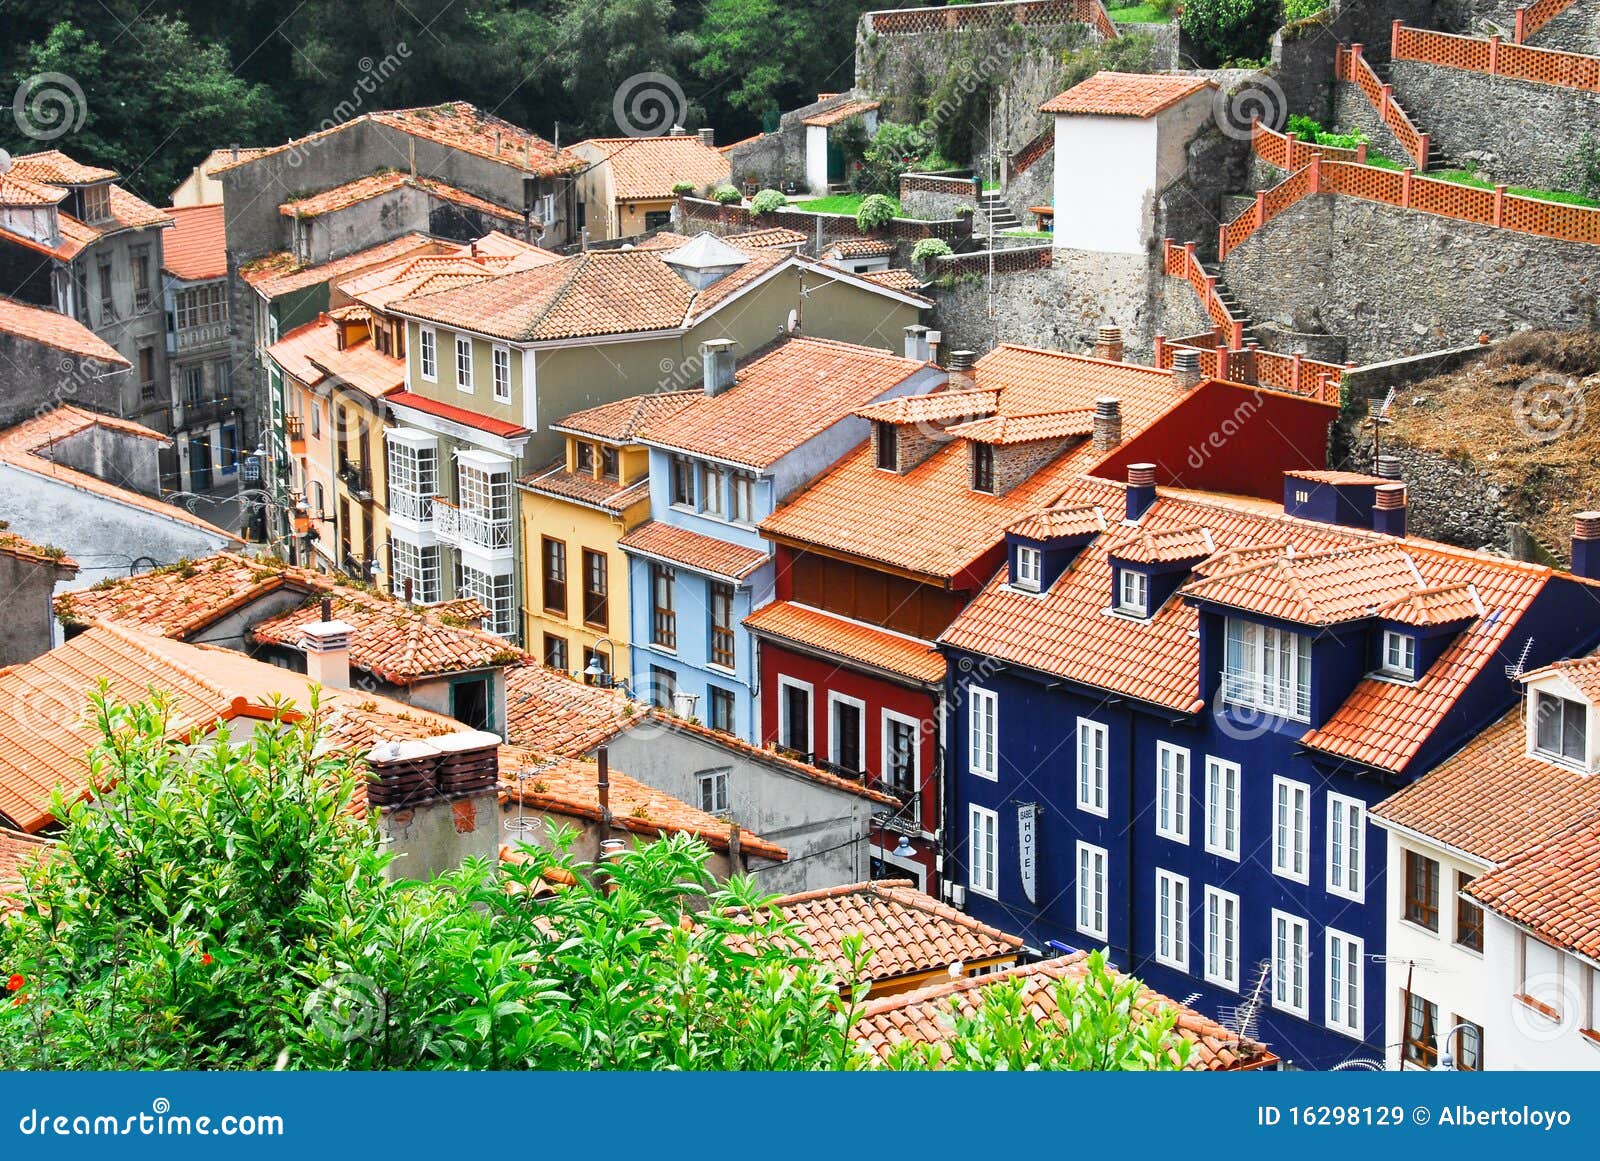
point(1011, 260)
point(1532, 17)
point(1403, 188)
point(1350, 65)
point(1286, 151)
point(1023, 159)
point(1181, 262)
point(1293, 374)
point(832, 226)
point(910, 21)
point(937, 183)
point(1545, 66)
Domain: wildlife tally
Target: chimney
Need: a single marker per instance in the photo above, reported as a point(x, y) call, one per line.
point(917, 342)
point(234, 150)
point(717, 365)
point(1389, 509)
point(935, 338)
point(1108, 344)
point(1586, 545)
point(327, 645)
point(708, 137)
point(961, 377)
point(1141, 489)
point(1107, 424)
point(1185, 368)
point(435, 801)
point(1388, 467)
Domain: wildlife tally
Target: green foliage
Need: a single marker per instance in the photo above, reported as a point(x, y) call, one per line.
point(1230, 30)
point(679, 188)
point(876, 212)
point(766, 201)
point(1133, 52)
point(894, 150)
point(1581, 173)
point(925, 251)
point(1298, 10)
point(1310, 130)
point(726, 195)
point(1153, 12)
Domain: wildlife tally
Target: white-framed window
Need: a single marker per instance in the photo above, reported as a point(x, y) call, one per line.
point(1091, 890)
point(418, 565)
point(983, 731)
point(413, 475)
point(1345, 958)
point(983, 865)
point(493, 591)
point(1268, 669)
point(1030, 568)
point(1560, 728)
point(1291, 829)
point(1092, 767)
point(1172, 792)
point(741, 495)
point(1222, 938)
point(795, 714)
point(1347, 843)
point(712, 496)
point(713, 791)
point(464, 364)
point(1222, 808)
point(847, 733)
point(1399, 654)
point(428, 354)
point(1133, 592)
point(902, 753)
point(1172, 920)
point(1289, 960)
point(502, 374)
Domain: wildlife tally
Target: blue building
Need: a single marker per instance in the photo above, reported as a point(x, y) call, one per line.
point(718, 467)
point(1172, 712)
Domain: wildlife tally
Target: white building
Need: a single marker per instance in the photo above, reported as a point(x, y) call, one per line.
point(1121, 138)
point(1514, 988)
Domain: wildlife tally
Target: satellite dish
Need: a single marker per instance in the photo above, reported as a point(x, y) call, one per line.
point(793, 326)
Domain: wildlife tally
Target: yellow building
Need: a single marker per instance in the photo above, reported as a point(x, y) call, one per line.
point(573, 512)
point(627, 188)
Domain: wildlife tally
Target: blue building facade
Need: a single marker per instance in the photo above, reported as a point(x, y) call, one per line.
point(1216, 842)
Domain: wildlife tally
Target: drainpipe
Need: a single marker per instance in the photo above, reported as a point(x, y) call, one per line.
point(1131, 863)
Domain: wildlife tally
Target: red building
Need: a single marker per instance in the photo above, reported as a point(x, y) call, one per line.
point(877, 557)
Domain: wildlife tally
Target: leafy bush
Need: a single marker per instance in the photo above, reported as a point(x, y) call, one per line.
point(1225, 30)
point(876, 212)
point(1297, 10)
point(894, 150)
point(1132, 52)
point(925, 251)
point(1581, 173)
point(1309, 130)
point(682, 187)
point(726, 195)
point(766, 201)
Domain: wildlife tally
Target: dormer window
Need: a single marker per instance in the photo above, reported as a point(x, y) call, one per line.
point(888, 447)
point(1399, 654)
point(1133, 592)
point(983, 468)
point(96, 203)
point(608, 463)
point(1030, 568)
point(1561, 728)
point(585, 458)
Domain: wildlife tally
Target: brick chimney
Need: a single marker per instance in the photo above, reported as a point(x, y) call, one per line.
point(1141, 489)
point(1389, 509)
point(717, 365)
point(1107, 424)
point(707, 137)
point(1586, 545)
point(917, 342)
point(1185, 368)
point(1108, 344)
point(327, 646)
point(435, 801)
point(961, 377)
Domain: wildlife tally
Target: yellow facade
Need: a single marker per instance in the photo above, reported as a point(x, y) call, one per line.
point(551, 615)
point(360, 518)
point(312, 479)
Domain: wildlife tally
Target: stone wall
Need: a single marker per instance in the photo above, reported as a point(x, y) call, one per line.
point(776, 158)
point(35, 378)
point(936, 197)
point(1395, 281)
point(1352, 112)
point(1518, 132)
point(1575, 30)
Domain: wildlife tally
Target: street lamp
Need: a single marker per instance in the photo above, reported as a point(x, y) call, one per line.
point(1447, 1063)
point(595, 671)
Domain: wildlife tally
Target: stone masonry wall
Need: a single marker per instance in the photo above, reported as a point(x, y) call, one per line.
point(1518, 132)
point(1396, 281)
point(1575, 30)
point(1353, 112)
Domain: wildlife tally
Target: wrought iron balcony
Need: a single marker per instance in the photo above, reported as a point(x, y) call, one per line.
point(358, 478)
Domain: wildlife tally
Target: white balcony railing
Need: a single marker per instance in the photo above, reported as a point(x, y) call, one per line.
point(410, 506)
point(447, 522)
point(479, 530)
point(207, 335)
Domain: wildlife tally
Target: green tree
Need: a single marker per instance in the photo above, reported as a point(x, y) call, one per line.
point(1231, 30)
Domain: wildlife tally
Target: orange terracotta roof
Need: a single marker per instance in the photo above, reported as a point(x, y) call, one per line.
point(842, 113)
point(935, 407)
point(782, 399)
point(278, 274)
point(458, 125)
point(929, 520)
point(311, 354)
point(57, 168)
point(907, 931)
point(923, 1016)
point(1065, 520)
point(869, 645)
point(1324, 588)
point(17, 190)
point(702, 553)
point(1004, 430)
point(26, 447)
point(860, 248)
point(648, 167)
point(1552, 890)
point(896, 279)
point(1439, 605)
point(15, 546)
point(374, 185)
point(18, 852)
point(1320, 476)
point(505, 429)
point(583, 488)
point(621, 421)
point(570, 786)
point(436, 272)
point(1142, 546)
point(1382, 723)
point(45, 717)
point(1583, 672)
point(557, 716)
point(1108, 94)
point(196, 248)
point(775, 237)
point(58, 331)
point(1491, 800)
point(130, 212)
point(766, 755)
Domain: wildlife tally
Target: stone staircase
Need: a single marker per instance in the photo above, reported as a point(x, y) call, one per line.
point(1230, 300)
point(997, 212)
point(1437, 158)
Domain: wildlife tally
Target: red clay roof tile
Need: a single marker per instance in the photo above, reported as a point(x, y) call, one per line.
point(196, 248)
point(1108, 94)
point(664, 542)
point(851, 640)
point(1552, 890)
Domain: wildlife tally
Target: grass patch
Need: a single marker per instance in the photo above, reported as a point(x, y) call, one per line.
point(1045, 234)
point(839, 204)
point(1140, 14)
point(1468, 178)
point(990, 185)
